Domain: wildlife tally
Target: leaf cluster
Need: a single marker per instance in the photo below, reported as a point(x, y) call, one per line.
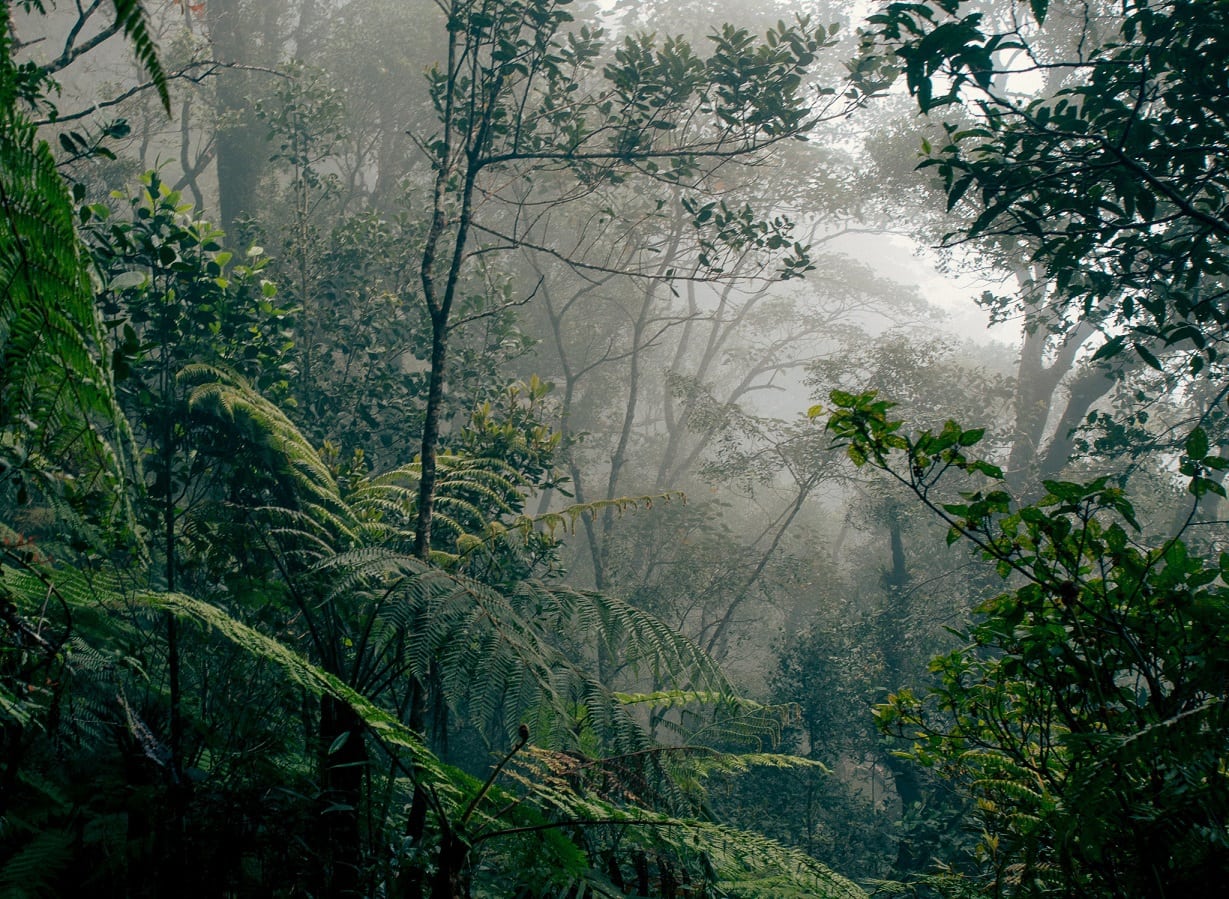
point(1115, 184)
point(1084, 713)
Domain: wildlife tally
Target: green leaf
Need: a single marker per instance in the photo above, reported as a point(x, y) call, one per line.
point(988, 469)
point(126, 280)
point(338, 743)
point(131, 17)
point(1110, 348)
point(958, 191)
point(1197, 444)
point(1148, 357)
point(968, 438)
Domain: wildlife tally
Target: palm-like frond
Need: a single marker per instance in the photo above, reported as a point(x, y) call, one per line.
point(500, 655)
point(82, 594)
point(31, 870)
point(471, 493)
point(700, 719)
point(742, 864)
point(302, 672)
point(57, 400)
point(306, 486)
point(131, 17)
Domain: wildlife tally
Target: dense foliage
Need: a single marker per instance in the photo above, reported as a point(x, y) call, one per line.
point(1115, 182)
point(392, 501)
point(1085, 711)
point(251, 645)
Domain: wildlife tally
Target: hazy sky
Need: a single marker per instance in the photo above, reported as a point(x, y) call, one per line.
point(902, 259)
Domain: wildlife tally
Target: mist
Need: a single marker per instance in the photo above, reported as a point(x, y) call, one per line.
point(524, 448)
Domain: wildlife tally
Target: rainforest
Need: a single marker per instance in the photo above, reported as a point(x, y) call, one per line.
point(465, 449)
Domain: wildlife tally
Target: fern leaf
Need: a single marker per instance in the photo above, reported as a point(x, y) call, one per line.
point(31, 871)
point(57, 389)
point(131, 17)
point(316, 680)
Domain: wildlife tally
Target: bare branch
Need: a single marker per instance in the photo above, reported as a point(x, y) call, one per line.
point(73, 51)
point(194, 72)
point(502, 307)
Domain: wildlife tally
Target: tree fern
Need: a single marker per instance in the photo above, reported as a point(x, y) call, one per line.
point(726, 860)
point(57, 391)
point(502, 656)
point(498, 649)
point(499, 653)
point(59, 420)
point(305, 482)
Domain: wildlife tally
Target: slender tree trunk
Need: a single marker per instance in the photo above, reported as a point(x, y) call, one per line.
point(893, 617)
point(171, 855)
point(716, 644)
point(431, 436)
point(619, 457)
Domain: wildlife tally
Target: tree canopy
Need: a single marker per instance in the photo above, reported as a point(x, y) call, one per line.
point(405, 489)
point(1115, 181)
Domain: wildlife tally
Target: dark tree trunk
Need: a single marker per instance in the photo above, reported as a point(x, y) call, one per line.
point(342, 773)
point(240, 139)
point(451, 880)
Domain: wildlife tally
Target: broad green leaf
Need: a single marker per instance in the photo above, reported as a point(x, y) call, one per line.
point(1197, 444)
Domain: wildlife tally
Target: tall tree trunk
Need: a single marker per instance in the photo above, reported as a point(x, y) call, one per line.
point(240, 139)
point(893, 620)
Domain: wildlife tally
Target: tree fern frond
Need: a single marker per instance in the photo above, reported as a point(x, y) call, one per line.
point(305, 478)
point(31, 871)
point(498, 655)
point(568, 518)
point(715, 719)
point(741, 863)
point(57, 389)
point(19, 710)
point(132, 20)
point(469, 494)
point(317, 681)
point(354, 565)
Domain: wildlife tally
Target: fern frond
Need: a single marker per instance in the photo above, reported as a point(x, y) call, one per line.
point(17, 709)
point(718, 763)
point(132, 20)
point(32, 869)
point(568, 518)
point(470, 493)
point(306, 481)
point(382, 724)
point(57, 395)
point(741, 863)
point(500, 657)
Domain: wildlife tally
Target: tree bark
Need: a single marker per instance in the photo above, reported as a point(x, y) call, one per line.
point(343, 770)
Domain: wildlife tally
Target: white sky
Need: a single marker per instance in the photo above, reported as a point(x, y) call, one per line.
point(904, 260)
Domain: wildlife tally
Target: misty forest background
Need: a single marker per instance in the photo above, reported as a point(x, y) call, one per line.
point(502, 448)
